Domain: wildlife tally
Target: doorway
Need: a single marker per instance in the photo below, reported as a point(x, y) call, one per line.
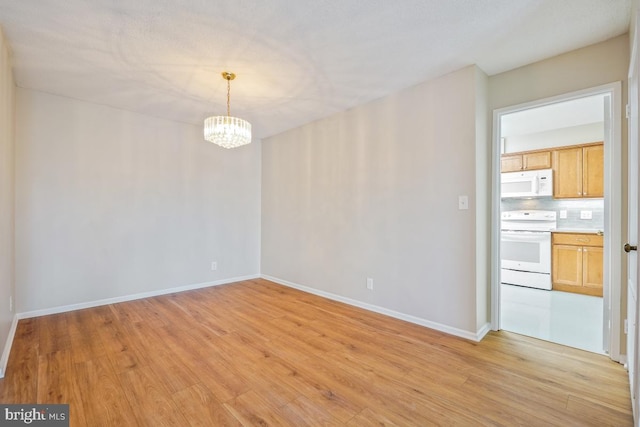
point(560, 305)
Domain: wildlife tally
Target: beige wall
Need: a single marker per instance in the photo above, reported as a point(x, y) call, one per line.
point(111, 203)
point(373, 192)
point(7, 114)
point(591, 66)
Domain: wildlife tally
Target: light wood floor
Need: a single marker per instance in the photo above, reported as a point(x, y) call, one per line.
point(256, 353)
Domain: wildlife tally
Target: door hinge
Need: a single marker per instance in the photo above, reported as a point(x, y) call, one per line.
point(628, 110)
point(626, 326)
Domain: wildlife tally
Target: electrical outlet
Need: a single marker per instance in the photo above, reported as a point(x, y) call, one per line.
point(214, 266)
point(586, 214)
point(563, 214)
point(369, 283)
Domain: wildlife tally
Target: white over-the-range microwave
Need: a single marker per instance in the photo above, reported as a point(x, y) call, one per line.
point(527, 184)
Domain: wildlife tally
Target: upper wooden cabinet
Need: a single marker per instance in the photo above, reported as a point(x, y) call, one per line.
point(593, 171)
point(525, 161)
point(578, 172)
point(511, 163)
point(567, 173)
point(539, 160)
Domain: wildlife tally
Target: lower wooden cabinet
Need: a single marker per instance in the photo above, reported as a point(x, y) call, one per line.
point(577, 263)
point(593, 263)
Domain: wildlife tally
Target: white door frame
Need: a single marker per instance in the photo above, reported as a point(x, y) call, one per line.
point(633, 334)
point(612, 208)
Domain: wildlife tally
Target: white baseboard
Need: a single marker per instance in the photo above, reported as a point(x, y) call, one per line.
point(89, 304)
point(377, 309)
point(7, 346)
point(484, 330)
point(623, 361)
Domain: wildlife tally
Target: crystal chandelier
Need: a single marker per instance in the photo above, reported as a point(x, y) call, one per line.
point(227, 131)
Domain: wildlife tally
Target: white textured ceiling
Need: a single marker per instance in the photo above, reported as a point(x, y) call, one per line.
point(296, 60)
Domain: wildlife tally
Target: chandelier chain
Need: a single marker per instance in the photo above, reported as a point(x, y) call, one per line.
point(228, 96)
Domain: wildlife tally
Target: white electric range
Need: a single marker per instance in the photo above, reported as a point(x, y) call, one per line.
point(525, 248)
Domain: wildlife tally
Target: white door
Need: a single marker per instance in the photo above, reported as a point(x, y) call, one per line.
point(632, 269)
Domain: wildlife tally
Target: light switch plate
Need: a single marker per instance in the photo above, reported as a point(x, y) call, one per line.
point(463, 203)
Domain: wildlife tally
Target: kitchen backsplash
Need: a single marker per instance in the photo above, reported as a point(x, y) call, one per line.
point(572, 206)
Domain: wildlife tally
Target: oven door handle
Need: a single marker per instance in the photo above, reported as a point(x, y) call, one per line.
point(526, 236)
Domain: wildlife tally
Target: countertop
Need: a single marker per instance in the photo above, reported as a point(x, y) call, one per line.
point(579, 230)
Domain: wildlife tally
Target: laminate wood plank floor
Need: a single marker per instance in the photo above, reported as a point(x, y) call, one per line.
point(257, 353)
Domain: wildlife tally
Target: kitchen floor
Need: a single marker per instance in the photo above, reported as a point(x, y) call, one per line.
point(560, 317)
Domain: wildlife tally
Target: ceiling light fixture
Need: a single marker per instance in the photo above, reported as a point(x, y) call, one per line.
point(227, 131)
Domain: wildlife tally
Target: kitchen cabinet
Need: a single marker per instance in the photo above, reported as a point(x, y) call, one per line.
point(525, 161)
point(578, 172)
point(539, 160)
point(593, 171)
point(577, 263)
point(511, 163)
